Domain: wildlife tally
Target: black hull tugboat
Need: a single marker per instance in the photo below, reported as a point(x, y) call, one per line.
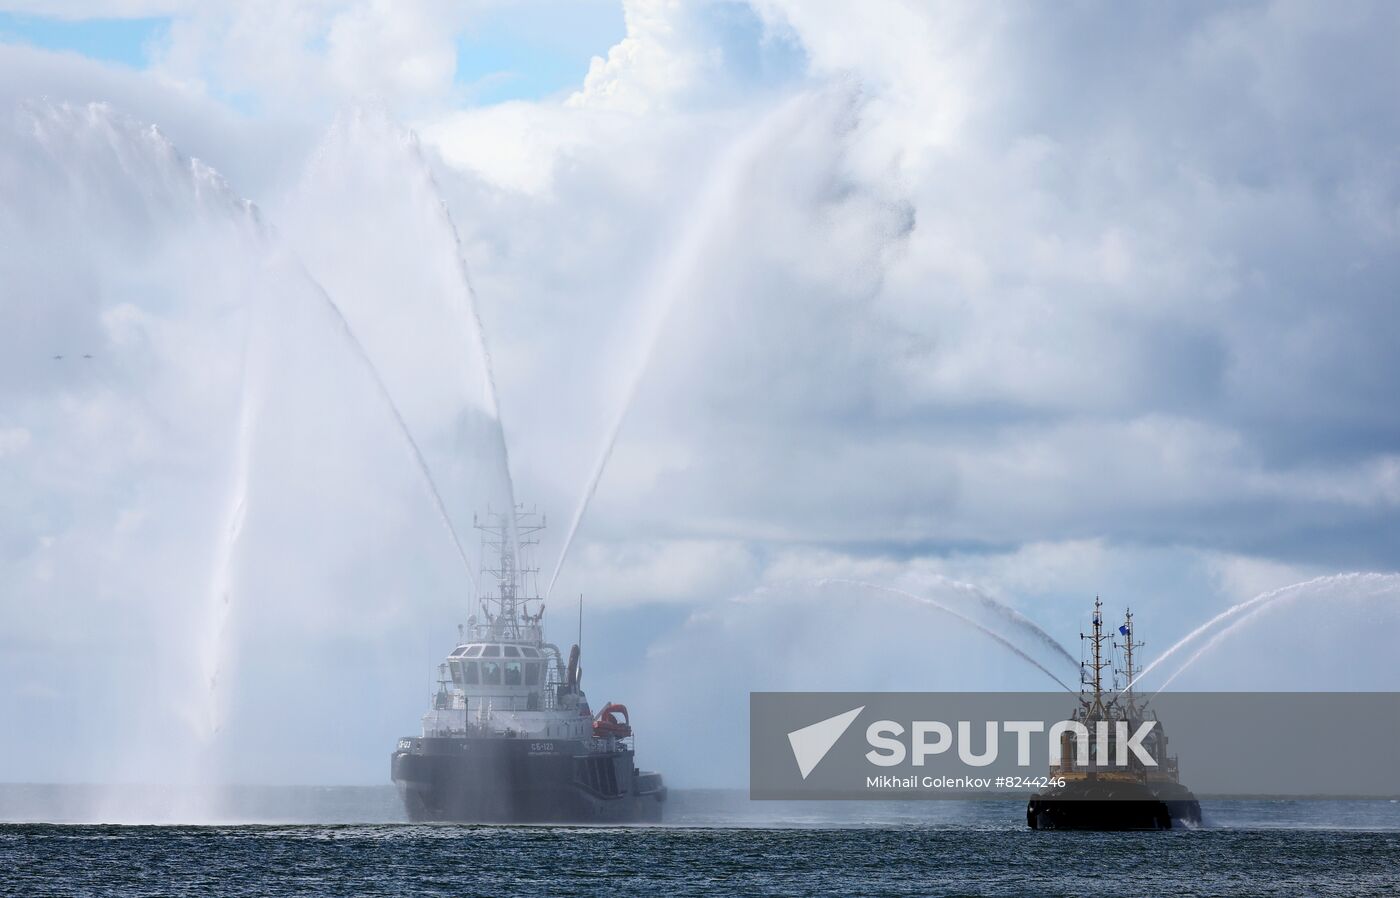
point(1107, 806)
point(1099, 796)
point(510, 737)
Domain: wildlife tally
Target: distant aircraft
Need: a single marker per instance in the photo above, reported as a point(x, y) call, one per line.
point(86, 356)
point(58, 357)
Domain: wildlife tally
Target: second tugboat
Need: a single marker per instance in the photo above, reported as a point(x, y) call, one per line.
point(510, 737)
point(1103, 797)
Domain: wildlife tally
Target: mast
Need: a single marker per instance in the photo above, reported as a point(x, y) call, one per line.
point(515, 580)
point(1091, 675)
point(1129, 671)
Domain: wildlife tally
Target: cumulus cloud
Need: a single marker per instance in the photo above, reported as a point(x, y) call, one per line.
point(1107, 304)
point(283, 55)
point(686, 55)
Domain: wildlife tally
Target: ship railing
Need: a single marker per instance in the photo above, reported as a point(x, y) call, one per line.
point(538, 701)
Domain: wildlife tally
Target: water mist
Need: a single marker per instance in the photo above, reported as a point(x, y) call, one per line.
point(670, 283)
point(370, 223)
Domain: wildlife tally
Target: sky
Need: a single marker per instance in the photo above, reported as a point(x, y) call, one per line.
point(977, 305)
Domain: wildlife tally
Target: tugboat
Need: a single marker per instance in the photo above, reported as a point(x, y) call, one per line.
point(510, 737)
point(1100, 796)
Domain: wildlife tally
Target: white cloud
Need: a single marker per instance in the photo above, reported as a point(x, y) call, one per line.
point(515, 146)
point(290, 55)
point(655, 62)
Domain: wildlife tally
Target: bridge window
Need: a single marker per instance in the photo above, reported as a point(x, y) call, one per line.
point(529, 652)
point(456, 667)
point(513, 675)
point(471, 674)
point(474, 651)
point(512, 652)
point(532, 674)
point(460, 650)
point(490, 673)
point(491, 651)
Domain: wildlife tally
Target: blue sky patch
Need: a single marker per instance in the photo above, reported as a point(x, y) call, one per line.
point(124, 41)
point(534, 50)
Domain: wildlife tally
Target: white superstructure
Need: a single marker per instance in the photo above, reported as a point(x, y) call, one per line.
point(502, 679)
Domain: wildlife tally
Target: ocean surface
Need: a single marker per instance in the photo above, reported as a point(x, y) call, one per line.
point(353, 842)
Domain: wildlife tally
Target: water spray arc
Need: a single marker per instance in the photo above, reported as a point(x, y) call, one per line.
point(366, 159)
point(987, 600)
point(221, 587)
point(668, 284)
point(221, 581)
point(288, 268)
point(478, 329)
point(985, 630)
point(1237, 615)
point(343, 326)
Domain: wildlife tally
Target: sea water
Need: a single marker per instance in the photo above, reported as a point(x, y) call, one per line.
point(352, 841)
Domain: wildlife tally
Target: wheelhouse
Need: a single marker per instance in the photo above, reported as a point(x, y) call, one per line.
point(507, 675)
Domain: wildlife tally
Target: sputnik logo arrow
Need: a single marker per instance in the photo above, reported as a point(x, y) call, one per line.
point(811, 743)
